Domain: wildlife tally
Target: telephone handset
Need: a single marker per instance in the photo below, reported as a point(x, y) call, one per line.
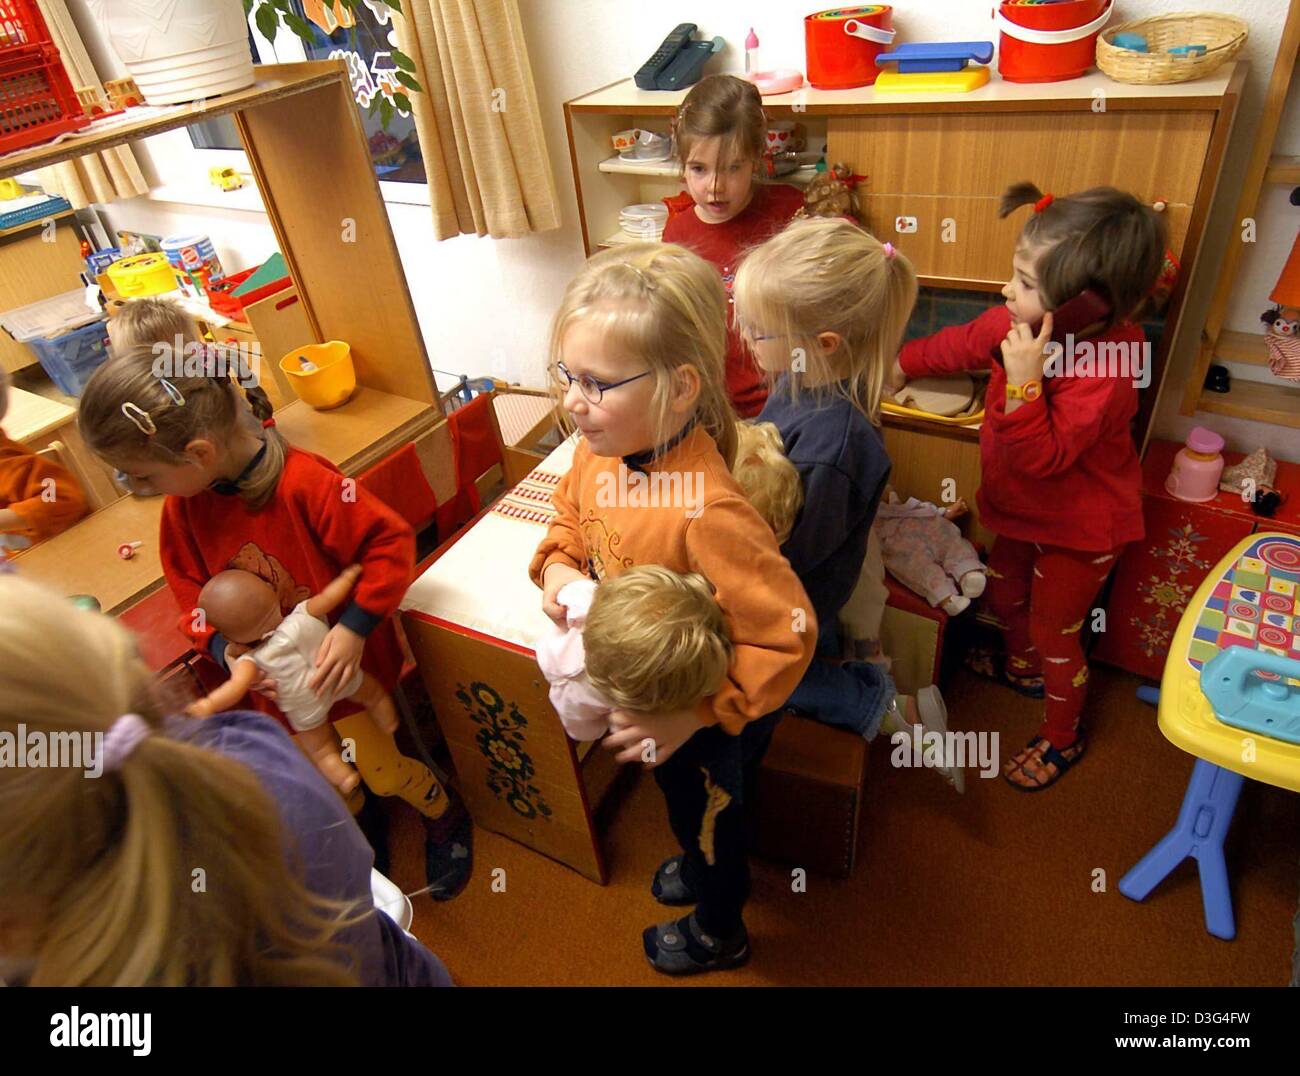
point(678, 61)
point(1072, 317)
point(1085, 310)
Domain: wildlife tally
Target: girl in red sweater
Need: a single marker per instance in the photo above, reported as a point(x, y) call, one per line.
point(720, 134)
point(1061, 482)
point(239, 497)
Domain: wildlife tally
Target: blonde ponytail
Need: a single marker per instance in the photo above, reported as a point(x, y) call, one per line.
point(830, 276)
point(99, 872)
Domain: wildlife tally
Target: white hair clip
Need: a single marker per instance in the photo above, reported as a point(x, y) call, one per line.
point(172, 391)
point(140, 417)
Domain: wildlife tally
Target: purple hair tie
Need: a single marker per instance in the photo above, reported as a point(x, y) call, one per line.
point(122, 738)
point(889, 250)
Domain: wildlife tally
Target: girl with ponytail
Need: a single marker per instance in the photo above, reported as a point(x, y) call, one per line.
point(238, 496)
point(1061, 484)
point(823, 306)
point(184, 852)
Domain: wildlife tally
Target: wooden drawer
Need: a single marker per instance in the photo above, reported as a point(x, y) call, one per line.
point(955, 166)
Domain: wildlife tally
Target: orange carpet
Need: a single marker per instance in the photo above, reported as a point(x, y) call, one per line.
point(994, 887)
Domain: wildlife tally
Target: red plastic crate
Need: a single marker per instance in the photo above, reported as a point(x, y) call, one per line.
point(37, 101)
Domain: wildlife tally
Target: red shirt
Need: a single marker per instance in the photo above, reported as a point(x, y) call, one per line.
point(724, 244)
point(312, 528)
point(1062, 469)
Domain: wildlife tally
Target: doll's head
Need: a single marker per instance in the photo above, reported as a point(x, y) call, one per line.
point(151, 321)
point(827, 303)
point(242, 606)
point(767, 478)
point(90, 890)
point(720, 133)
point(177, 434)
point(638, 348)
point(1101, 239)
point(655, 640)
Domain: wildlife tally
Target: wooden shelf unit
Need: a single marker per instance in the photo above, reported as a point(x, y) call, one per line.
point(307, 148)
point(948, 157)
point(1275, 402)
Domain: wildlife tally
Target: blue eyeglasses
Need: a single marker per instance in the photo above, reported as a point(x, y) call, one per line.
point(592, 388)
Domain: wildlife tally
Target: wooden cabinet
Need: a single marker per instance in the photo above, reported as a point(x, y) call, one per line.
point(307, 148)
point(945, 160)
point(1157, 577)
point(36, 262)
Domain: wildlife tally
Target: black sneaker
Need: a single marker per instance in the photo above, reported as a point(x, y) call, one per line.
point(669, 885)
point(449, 850)
point(682, 948)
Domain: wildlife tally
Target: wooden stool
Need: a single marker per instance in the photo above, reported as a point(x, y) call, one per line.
point(809, 797)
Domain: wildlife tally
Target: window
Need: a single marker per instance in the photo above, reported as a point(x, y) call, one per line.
point(366, 47)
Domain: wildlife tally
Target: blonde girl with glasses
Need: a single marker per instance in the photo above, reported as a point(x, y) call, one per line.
point(637, 352)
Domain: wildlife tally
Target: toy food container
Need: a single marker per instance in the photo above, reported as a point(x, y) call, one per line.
point(1049, 42)
point(321, 374)
point(842, 45)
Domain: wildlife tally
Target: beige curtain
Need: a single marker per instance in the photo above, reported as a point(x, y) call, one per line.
point(96, 177)
point(478, 122)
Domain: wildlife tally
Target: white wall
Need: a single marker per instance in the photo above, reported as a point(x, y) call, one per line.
point(484, 305)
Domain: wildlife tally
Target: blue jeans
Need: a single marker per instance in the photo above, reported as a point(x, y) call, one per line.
point(854, 695)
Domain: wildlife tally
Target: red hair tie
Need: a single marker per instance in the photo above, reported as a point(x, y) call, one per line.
point(1043, 203)
point(267, 423)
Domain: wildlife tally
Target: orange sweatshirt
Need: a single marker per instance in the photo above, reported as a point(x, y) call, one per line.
point(45, 509)
point(686, 513)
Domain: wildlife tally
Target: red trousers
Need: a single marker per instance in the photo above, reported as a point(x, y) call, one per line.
point(1041, 596)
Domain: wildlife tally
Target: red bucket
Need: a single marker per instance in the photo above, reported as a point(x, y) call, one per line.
point(842, 45)
point(1049, 42)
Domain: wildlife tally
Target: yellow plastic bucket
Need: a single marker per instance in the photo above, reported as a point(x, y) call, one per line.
point(141, 275)
point(332, 381)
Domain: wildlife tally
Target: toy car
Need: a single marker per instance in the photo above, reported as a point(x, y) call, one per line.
point(225, 178)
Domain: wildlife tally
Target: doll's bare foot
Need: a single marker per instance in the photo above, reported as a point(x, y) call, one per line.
point(337, 772)
point(972, 584)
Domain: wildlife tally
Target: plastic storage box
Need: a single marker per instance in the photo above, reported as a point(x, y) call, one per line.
point(69, 338)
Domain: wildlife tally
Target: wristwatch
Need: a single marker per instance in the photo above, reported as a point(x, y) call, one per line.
point(1028, 392)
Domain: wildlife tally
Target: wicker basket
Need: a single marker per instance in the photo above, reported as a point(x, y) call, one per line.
point(1223, 36)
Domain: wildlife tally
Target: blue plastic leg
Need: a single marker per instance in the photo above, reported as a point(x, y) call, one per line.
point(1149, 695)
point(1202, 825)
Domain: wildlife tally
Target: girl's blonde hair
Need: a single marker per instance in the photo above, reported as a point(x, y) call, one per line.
point(655, 640)
point(829, 275)
point(768, 479)
point(1101, 238)
point(139, 380)
point(5, 382)
point(151, 321)
point(664, 307)
point(98, 871)
point(722, 106)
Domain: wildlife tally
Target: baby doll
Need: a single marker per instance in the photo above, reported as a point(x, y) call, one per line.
point(38, 498)
point(924, 550)
point(246, 609)
point(646, 641)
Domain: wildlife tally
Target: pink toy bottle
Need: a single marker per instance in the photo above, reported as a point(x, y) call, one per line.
point(1197, 467)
